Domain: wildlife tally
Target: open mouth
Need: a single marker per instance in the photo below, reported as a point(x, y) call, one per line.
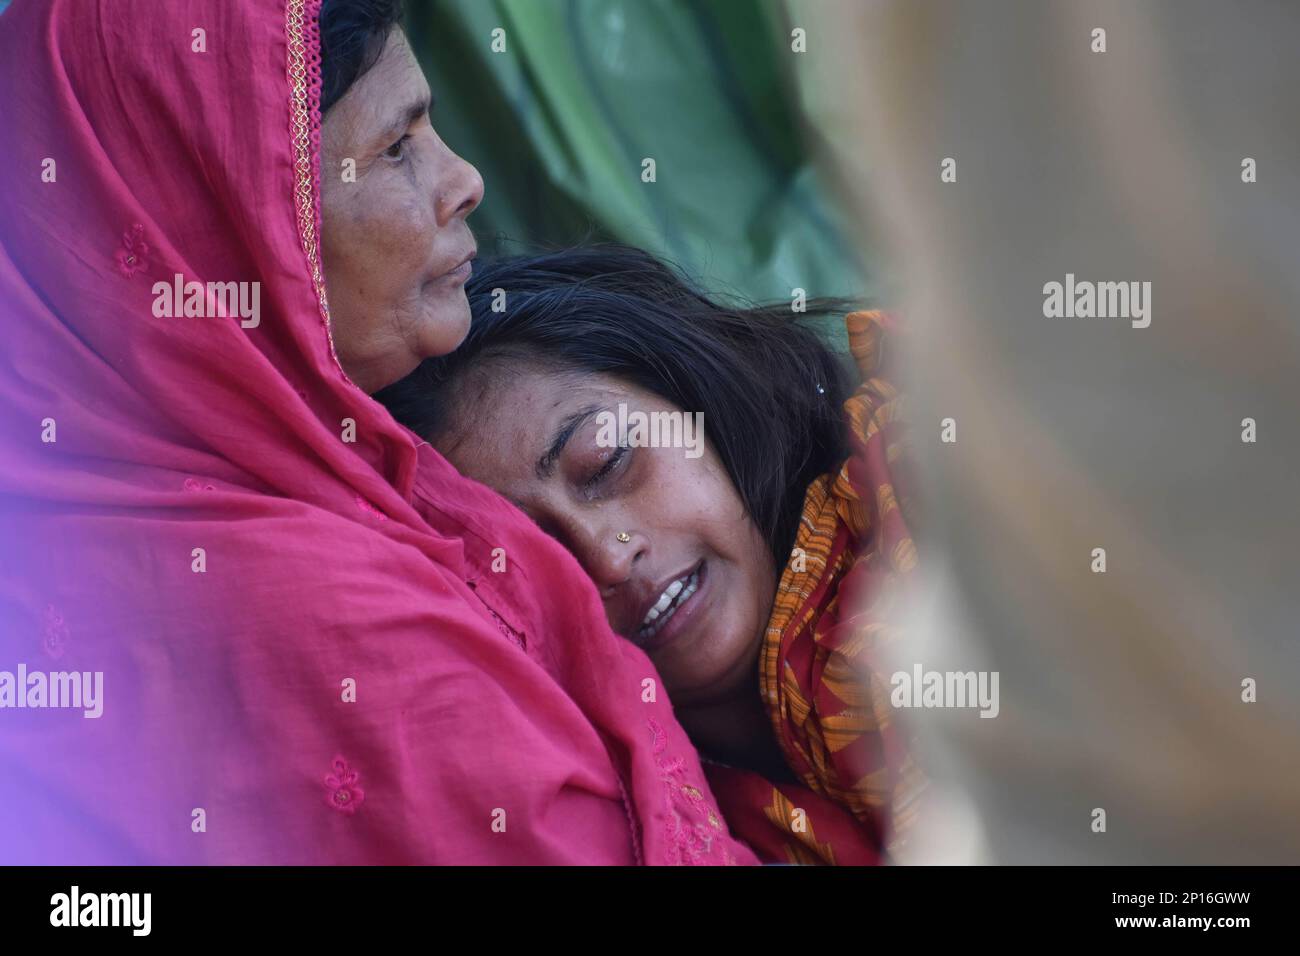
point(670, 602)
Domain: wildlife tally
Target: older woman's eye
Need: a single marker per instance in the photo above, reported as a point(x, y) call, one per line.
point(398, 148)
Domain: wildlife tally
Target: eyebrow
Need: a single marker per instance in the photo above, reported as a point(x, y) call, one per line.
point(412, 112)
point(546, 464)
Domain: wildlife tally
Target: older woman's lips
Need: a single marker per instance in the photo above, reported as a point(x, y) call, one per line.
point(460, 274)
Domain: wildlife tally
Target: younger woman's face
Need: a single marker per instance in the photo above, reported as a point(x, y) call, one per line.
point(692, 554)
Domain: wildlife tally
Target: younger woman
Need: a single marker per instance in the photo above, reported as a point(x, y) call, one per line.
point(758, 569)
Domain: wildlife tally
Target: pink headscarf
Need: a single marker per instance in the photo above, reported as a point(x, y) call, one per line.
point(309, 651)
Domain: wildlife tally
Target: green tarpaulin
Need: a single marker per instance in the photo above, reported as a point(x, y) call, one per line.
point(559, 103)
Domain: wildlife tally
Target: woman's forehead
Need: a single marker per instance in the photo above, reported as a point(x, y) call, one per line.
point(511, 412)
point(386, 98)
point(497, 394)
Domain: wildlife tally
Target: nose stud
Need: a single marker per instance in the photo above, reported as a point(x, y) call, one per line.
point(623, 537)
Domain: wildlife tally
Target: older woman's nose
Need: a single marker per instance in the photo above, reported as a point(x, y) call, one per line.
point(460, 191)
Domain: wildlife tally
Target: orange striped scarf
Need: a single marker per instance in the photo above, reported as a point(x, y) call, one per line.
point(853, 551)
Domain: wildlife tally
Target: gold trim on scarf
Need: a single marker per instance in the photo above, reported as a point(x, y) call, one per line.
point(300, 128)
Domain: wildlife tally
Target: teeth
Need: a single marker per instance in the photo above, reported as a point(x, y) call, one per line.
point(674, 596)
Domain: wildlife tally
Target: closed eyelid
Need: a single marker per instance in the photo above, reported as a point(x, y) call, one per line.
point(546, 464)
point(616, 456)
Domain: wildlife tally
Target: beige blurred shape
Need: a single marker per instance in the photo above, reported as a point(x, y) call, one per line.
point(1119, 690)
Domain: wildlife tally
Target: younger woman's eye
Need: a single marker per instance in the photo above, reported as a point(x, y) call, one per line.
point(606, 469)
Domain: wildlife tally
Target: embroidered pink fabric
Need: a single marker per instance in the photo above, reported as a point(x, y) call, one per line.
point(54, 632)
point(343, 783)
point(132, 257)
point(685, 805)
point(223, 682)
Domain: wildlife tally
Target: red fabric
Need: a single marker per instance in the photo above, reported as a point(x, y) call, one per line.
point(481, 697)
point(762, 813)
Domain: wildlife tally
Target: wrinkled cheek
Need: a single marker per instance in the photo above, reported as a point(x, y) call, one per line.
point(379, 239)
point(404, 241)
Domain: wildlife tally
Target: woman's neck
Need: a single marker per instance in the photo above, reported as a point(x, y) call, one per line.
point(737, 731)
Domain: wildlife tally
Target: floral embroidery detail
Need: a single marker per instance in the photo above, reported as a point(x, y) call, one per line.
point(697, 800)
point(692, 841)
point(55, 632)
point(193, 484)
point(133, 256)
point(370, 509)
point(344, 794)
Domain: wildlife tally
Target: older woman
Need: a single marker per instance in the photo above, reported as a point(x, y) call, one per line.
point(314, 641)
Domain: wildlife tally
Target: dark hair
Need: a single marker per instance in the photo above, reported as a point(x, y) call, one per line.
point(352, 37)
point(770, 390)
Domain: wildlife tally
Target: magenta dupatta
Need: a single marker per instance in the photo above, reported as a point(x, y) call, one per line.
point(310, 650)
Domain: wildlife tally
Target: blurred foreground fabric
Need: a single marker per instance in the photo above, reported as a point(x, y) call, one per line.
point(1121, 690)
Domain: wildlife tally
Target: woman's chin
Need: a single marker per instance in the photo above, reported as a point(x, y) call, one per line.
point(695, 681)
point(446, 324)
